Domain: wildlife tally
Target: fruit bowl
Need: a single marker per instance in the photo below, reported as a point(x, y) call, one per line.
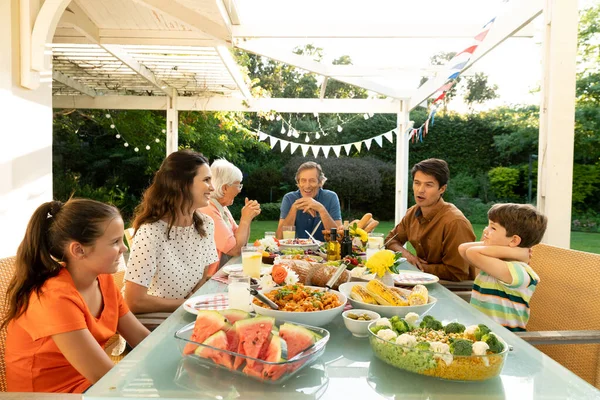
point(287, 349)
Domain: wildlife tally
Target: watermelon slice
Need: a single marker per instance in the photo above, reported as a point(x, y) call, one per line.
point(297, 338)
point(234, 315)
point(218, 340)
point(254, 335)
point(208, 322)
point(274, 354)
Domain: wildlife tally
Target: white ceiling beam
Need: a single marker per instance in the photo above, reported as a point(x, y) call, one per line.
point(189, 17)
point(74, 17)
point(323, 88)
point(360, 106)
point(310, 65)
point(136, 37)
point(359, 31)
point(232, 10)
point(72, 83)
point(381, 72)
point(505, 26)
point(234, 70)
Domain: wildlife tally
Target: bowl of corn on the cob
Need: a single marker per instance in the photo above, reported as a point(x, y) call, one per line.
point(388, 301)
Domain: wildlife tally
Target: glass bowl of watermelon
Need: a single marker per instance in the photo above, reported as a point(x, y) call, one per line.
point(259, 347)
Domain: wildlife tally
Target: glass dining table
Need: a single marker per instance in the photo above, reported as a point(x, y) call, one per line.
point(348, 369)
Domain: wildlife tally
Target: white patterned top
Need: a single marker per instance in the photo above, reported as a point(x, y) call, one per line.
point(170, 268)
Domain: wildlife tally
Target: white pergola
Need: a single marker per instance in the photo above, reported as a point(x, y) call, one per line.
point(175, 55)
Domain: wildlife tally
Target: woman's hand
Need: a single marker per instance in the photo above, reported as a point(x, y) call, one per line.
point(250, 210)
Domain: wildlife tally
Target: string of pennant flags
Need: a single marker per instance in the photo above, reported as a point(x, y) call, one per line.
point(457, 64)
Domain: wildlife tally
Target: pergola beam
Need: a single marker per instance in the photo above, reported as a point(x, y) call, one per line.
point(310, 65)
point(72, 83)
point(359, 31)
point(505, 26)
point(382, 106)
point(136, 37)
point(189, 17)
point(234, 70)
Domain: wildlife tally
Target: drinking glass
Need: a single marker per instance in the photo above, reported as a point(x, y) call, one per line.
point(239, 295)
point(269, 234)
point(251, 261)
point(375, 240)
point(289, 232)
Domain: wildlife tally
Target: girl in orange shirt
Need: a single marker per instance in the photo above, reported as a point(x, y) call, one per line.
point(63, 304)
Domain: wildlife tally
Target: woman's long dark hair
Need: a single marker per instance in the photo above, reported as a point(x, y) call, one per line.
point(170, 191)
point(51, 227)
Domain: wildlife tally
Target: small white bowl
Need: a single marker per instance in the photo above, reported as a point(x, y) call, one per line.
point(356, 327)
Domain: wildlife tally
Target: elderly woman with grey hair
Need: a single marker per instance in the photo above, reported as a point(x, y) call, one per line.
point(229, 236)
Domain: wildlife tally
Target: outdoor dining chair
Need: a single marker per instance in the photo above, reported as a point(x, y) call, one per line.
point(129, 237)
point(565, 309)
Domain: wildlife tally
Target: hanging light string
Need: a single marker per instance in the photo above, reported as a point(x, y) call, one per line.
point(119, 135)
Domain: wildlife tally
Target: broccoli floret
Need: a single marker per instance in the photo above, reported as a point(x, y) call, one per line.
point(400, 326)
point(480, 331)
point(461, 347)
point(431, 323)
point(454, 327)
point(493, 342)
point(423, 346)
point(394, 319)
point(377, 328)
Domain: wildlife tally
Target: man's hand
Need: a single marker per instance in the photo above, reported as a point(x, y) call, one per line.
point(308, 205)
point(414, 260)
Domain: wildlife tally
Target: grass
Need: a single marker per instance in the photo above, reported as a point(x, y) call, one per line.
point(583, 241)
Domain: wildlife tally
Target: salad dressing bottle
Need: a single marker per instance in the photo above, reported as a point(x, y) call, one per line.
point(333, 246)
point(346, 246)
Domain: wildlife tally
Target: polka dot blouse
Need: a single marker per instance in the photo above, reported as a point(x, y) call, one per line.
point(170, 268)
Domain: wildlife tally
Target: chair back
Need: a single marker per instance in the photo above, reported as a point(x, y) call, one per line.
point(129, 237)
point(567, 298)
point(7, 270)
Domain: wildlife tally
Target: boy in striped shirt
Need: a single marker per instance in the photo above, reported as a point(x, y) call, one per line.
point(506, 282)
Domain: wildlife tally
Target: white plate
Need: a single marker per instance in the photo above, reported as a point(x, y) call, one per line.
point(407, 278)
point(304, 245)
point(385, 311)
point(314, 318)
point(211, 301)
point(228, 269)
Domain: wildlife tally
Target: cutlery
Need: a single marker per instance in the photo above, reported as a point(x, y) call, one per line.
point(312, 237)
point(335, 276)
point(263, 298)
point(315, 229)
point(386, 243)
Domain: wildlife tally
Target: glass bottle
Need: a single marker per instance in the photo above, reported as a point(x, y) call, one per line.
point(333, 246)
point(346, 246)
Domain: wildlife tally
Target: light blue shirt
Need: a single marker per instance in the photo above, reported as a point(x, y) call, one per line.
point(304, 221)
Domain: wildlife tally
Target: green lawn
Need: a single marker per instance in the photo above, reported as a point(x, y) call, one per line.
point(583, 241)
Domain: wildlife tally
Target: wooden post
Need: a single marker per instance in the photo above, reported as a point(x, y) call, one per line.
point(401, 162)
point(557, 120)
point(172, 124)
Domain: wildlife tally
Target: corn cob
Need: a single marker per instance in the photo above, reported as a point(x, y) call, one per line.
point(402, 294)
point(383, 294)
point(359, 293)
point(418, 296)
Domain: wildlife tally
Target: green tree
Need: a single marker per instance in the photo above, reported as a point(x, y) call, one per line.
point(478, 90)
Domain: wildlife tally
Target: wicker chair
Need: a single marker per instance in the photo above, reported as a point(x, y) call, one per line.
point(568, 297)
point(129, 237)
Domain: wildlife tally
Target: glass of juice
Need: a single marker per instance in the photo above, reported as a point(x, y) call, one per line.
point(289, 232)
point(269, 234)
point(238, 293)
point(251, 261)
point(375, 240)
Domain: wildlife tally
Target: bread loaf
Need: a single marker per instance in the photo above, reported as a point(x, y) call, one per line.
point(323, 273)
point(304, 269)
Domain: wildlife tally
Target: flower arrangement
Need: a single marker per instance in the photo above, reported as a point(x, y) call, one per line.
point(268, 244)
point(280, 276)
point(383, 261)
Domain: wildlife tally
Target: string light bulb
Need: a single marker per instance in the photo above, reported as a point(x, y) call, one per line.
point(118, 136)
point(282, 129)
point(107, 115)
point(366, 116)
point(147, 147)
point(112, 126)
point(307, 139)
point(317, 135)
point(157, 140)
point(278, 117)
point(126, 144)
point(296, 134)
point(136, 149)
point(164, 131)
point(339, 128)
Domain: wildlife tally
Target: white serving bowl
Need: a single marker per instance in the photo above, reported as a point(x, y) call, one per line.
point(314, 318)
point(356, 327)
point(385, 311)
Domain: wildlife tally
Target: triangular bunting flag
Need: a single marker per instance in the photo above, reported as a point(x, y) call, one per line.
point(468, 50)
point(460, 66)
point(389, 136)
point(440, 97)
point(315, 150)
point(293, 147)
point(262, 136)
point(368, 143)
point(336, 150)
point(481, 35)
point(283, 144)
point(347, 147)
point(326, 151)
point(304, 148)
point(378, 140)
point(454, 75)
point(273, 140)
point(357, 145)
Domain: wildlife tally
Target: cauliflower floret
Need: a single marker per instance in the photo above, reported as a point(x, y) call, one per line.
point(357, 272)
point(406, 340)
point(383, 322)
point(387, 334)
point(443, 351)
point(480, 348)
point(469, 332)
point(412, 318)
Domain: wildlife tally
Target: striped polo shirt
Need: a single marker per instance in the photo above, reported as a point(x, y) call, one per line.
point(507, 304)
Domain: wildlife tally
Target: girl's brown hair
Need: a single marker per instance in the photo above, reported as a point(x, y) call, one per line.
point(170, 191)
point(51, 228)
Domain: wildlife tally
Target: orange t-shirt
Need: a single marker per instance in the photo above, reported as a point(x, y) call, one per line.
point(33, 361)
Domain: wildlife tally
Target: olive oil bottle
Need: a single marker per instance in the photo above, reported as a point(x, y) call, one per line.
point(333, 246)
point(346, 246)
